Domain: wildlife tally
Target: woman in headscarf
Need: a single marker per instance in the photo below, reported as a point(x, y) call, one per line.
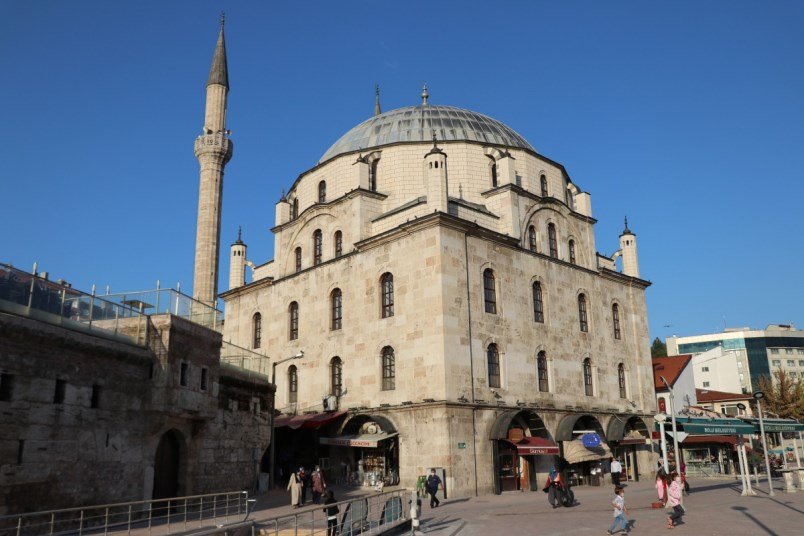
point(294, 487)
point(553, 488)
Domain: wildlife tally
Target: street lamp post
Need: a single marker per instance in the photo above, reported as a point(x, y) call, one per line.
point(271, 479)
point(758, 396)
point(661, 418)
point(742, 458)
point(675, 430)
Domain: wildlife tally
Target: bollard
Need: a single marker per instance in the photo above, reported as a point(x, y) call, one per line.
point(415, 512)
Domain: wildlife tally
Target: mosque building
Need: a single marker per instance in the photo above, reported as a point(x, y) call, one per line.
point(442, 280)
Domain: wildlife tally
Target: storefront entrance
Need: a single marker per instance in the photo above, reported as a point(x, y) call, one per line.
point(584, 447)
point(366, 452)
point(522, 449)
point(629, 437)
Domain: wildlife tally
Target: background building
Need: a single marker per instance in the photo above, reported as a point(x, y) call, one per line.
point(722, 370)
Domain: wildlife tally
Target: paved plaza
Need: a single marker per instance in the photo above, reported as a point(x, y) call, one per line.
point(714, 507)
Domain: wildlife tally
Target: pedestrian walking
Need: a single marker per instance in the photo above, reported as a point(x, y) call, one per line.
point(620, 511)
point(553, 488)
point(294, 487)
point(674, 500)
point(304, 477)
point(319, 485)
point(332, 513)
point(661, 485)
point(433, 483)
point(616, 471)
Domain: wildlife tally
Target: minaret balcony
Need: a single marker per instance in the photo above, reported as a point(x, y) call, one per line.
point(216, 144)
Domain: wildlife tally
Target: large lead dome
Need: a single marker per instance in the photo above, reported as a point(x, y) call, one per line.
point(416, 123)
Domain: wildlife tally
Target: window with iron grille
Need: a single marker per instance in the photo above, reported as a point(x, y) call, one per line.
point(532, 238)
point(388, 369)
point(489, 291)
point(322, 192)
point(621, 379)
point(338, 243)
point(584, 324)
point(294, 321)
point(493, 357)
point(538, 304)
point(551, 236)
point(615, 316)
point(298, 254)
point(541, 365)
point(587, 377)
point(256, 329)
point(387, 290)
point(337, 309)
point(543, 181)
point(318, 243)
point(571, 247)
point(293, 384)
point(336, 373)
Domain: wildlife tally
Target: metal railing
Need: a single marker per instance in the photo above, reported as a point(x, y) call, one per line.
point(245, 358)
point(370, 514)
point(156, 517)
point(173, 301)
point(33, 296)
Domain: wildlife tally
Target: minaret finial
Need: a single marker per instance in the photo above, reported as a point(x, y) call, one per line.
point(425, 94)
point(223, 18)
point(626, 230)
point(239, 233)
point(377, 110)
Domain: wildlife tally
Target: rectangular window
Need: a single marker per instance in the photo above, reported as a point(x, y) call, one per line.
point(20, 451)
point(704, 369)
point(791, 362)
point(742, 376)
point(6, 387)
point(706, 384)
point(739, 364)
point(801, 362)
point(183, 375)
point(96, 393)
point(777, 363)
point(204, 379)
point(794, 374)
point(58, 395)
point(774, 350)
point(788, 350)
point(801, 350)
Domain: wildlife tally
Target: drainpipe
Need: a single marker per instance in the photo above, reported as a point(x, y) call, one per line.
point(471, 354)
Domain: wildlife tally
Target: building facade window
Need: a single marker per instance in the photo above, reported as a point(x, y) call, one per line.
point(388, 369)
point(615, 317)
point(387, 291)
point(582, 319)
point(337, 309)
point(788, 350)
point(571, 247)
point(183, 372)
point(322, 192)
point(293, 311)
point(570, 199)
point(489, 291)
point(338, 243)
point(294, 209)
point(493, 173)
point(256, 330)
point(777, 363)
point(373, 175)
point(6, 387)
point(774, 350)
point(587, 377)
point(551, 237)
point(94, 401)
point(791, 362)
point(706, 384)
point(538, 303)
point(293, 384)
point(704, 369)
point(318, 246)
point(543, 184)
point(493, 358)
point(204, 378)
point(541, 366)
point(532, 238)
point(298, 253)
point(621, 379)
point(336, 376)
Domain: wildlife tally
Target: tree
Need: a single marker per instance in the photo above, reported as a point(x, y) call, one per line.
point(784, 396)
point(658, 348)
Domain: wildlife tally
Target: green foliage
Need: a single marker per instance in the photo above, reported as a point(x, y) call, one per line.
point(784, 395)
point(658, 348)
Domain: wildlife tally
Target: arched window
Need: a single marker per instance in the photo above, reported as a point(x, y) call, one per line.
point(256, 330)
point(336, 376)
point(570, 199)
point(338, 243)
point(587, 377)
point(322, 192)
point(532, 238)
point(584, 324)
point(571, 245)
point(294, 321)
point(489, 291)
point(551, 236)
point(543, 181)
point(387, 291)
point(621, 379)
point(318, 242)
point(294, 209)
point(298, 254)
point(538, 303)
point(615, 317)
point(293, 384)
point(493, 357)
point(388, 369)
point(337, 309)
point(373, 175)
point(493, 174)
point(541, 366)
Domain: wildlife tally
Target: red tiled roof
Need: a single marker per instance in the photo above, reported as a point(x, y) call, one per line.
point(670, 368)
point(708, 395)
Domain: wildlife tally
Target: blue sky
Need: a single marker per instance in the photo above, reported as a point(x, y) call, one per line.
point(686, 116)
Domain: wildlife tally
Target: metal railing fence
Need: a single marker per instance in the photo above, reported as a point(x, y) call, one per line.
point(173, 301)
point(370, 514)
point(245, 358)
point(156, 517)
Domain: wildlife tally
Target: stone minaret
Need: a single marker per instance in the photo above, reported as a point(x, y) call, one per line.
point(213, 150)
point(237, 263)
point(628, 247)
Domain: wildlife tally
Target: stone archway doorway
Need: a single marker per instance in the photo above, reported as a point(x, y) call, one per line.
point(166, 466)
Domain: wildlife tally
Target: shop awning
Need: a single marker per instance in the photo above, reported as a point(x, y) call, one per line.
point(362, 440)
point(704, 426)
point(634, 441)
point(776, 425)
point(535, 445)
point(310, 421)
point(700, 439)
point(576, 452)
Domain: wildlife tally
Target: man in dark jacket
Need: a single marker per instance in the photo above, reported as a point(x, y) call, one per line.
point(433, 483)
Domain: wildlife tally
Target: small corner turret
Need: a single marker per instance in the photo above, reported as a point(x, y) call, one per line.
point(628, 250)
point(237, 262)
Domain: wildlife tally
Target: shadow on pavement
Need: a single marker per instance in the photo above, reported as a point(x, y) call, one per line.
point(756, 521)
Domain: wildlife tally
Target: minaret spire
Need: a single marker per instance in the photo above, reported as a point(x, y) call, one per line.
point(219, 72)
point(377, 110)
point(425, 94)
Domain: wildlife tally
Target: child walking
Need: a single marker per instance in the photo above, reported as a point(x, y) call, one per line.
point(619, 510)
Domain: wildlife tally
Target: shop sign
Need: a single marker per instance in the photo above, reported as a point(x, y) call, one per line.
point(536, 450)
point(345, 442)
point(461, 445)
point(590, 441)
